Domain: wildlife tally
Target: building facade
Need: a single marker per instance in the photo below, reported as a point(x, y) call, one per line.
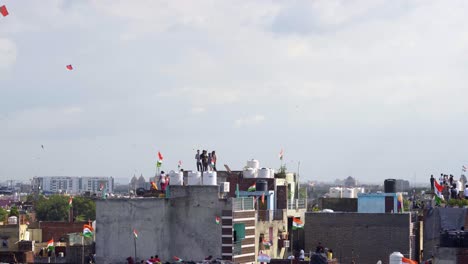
point(72, 185)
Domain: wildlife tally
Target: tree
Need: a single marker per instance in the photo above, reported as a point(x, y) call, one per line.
point(84, 208)
point(14, 211)
point(3, 214)
point(52, 208)
point(55, 208)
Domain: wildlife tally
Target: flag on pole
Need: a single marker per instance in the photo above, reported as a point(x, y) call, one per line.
point(438, 192)
point(218, 220)
point(4, 10)
point(70, 202)
point(252, 188)
point(69, 67)
point(297, 224)
point(281, 154)
point(177, 259)
point(159, 163)
point(50, 245)
point(464, 168)
point(179, 164)
point(135, 234)
point(88, 231)
point(160, 156)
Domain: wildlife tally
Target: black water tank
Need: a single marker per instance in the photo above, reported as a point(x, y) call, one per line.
point(390, 186)
point(261, 186)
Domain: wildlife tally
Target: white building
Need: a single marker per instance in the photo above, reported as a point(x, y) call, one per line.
point(73, 185)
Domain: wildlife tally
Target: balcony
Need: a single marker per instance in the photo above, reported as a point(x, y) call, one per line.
point(237, 248)
point(270, 215)
point(242, 204)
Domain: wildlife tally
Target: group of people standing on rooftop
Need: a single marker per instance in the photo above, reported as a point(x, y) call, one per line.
point(206, 161)
point(453, 189)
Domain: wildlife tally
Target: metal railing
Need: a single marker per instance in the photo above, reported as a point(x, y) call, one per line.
point(237, 248)
point(270, 215)
point(294, 204)
point(242, 204)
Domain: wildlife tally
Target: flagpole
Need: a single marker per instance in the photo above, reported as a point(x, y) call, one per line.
point(82, 249)
point(134, 243)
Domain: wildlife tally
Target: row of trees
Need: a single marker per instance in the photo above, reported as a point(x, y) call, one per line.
point(56, 208)
point(4, 213)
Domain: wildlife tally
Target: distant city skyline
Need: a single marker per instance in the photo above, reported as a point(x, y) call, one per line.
point(371, 89)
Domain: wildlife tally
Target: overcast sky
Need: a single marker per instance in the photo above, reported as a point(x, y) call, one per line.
point(372, 89)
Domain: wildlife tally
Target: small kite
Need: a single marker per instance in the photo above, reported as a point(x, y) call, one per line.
point(3, 11)
point(69, 67)
point(42, 146)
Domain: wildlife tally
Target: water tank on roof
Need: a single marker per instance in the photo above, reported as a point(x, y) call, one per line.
point(176, 178)
point(250, 173)
point(253, 163)
point(336, 192)
point(264, 173)
point(395, 258)
point(261, 186)
point(348, 193)
point(194, 178)
point(390, 186)
point(12, 220)
point(209, 178)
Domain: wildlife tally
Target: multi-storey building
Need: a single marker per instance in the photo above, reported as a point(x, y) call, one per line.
point(72, 185)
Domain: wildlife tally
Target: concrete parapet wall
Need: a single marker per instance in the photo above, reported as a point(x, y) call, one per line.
point(365, 237)
point(183, 225)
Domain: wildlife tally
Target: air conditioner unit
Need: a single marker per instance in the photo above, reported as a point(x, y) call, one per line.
point(224, 187)
point(286, 243)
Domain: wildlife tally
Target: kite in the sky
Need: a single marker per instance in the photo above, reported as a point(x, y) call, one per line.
point(69, 67)
point(42, 146)
point(3, 11)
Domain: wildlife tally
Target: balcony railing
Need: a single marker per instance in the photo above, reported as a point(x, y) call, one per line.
point(242, 204)
point(237, 248)
point(294, 204)
point(270, 215)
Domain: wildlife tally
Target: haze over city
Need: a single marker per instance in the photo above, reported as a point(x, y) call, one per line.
point(371, 89)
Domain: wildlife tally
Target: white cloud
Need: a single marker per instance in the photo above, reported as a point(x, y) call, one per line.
point(248, 121)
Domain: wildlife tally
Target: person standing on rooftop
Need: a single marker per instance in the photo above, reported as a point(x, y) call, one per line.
point(213, 160)
point(198, 158)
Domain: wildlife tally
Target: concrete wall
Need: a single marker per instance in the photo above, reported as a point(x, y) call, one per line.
point(437, 219)
point(183, 225)
point(366, 237)
point(339, 204)
point(10, 235)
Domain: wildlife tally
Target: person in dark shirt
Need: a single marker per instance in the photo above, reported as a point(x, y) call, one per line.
point(198, 158)
point(204, 159)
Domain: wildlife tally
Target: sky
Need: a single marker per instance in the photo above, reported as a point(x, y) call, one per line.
point(371, 89)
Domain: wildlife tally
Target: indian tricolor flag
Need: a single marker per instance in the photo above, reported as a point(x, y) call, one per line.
point(252, 188)
point(70, 202)
point(297, 224)
point(218, 220)
point(88, 231)
point(50, 245)
point(438, 192)
point(177, 259)
point(135, 234)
